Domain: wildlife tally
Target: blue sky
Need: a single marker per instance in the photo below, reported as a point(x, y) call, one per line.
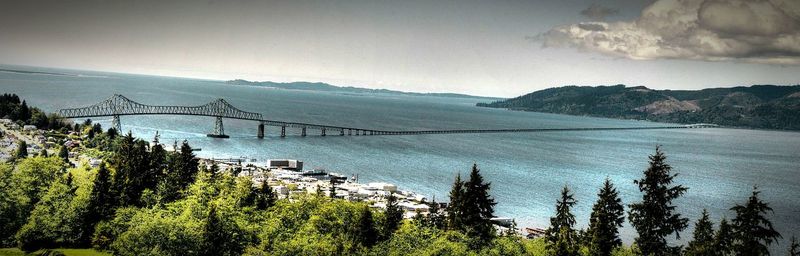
point(493, 48)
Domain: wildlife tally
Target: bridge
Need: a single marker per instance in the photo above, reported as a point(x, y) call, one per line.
point(118, 105)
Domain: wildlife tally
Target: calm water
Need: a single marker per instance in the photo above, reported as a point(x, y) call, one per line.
point(527, 170)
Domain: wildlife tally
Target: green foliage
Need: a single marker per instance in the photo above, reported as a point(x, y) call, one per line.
point(18, 111)
point(471, 208)
point(560, 236)
point(703, 238)
point(57, 219)
point(266, 197)
point(22, 150)
point(655, 218)
point(21, 188)
point(366, 233)
point(607, 216)
point(454, 209)
point(723, 239)
point(754, 231)
point(393, 217)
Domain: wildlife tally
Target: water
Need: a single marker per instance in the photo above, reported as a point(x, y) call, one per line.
point(527, 170)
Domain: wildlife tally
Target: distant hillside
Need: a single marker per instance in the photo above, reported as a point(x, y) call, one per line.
point(757, 106)
point(309, 86)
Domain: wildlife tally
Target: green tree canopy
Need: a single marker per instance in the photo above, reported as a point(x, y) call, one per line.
point(606, 218)
point(754, 231)
point(655, 217)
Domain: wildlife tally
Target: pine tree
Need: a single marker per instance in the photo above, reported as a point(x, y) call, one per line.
point(214, 236)
point(703, 238)
point(454, 215)
point(478, 208)
point(655, 218)
point(266, 197)
point(394, 215)
point(332, 188)
point(607, 216)
point(435, 219)
point(561, 236)
point(63, 153)
point(112, 133)
point(754, 231)
point(723, 239)
point(366, 234)
point(100, 202)
point(22, 150)
point(129, 161)
point(794, 247)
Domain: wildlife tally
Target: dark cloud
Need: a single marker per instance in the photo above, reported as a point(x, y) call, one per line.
point(597, 12)
point(758, 31)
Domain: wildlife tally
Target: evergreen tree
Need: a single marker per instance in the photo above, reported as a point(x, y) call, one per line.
point(703, 238)
point(22, 150)
point(112, 133)
point(129, 161)
point(394, 215)
point(214, 236)
point(435, 219)
point(478, 208)
point(607, 216)
point(90, 134)
point(266, 197)
point(63, 153)
point(754, 231)
point(43, 153)
point(366, 234)
point(454, 214)
point(794, 247)
point(100, 202)
point(560, 236)
point(655, 218)
point(723, 239)
point(213, 170)
point(332, 188)
point(156, 166)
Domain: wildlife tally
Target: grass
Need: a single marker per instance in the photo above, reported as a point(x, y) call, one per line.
point(67, 252)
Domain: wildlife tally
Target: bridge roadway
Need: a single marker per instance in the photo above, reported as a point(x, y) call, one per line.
point(119, 105)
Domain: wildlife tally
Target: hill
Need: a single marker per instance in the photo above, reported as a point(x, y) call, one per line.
point(312, 86)
point(757, 106)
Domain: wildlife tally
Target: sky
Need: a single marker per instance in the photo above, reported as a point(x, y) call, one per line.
point(490, 48)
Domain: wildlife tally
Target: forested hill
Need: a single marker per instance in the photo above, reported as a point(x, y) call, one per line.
point(312, 86)
point(757, 106)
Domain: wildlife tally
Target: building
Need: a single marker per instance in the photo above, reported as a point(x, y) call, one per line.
point(286, 164)
point(29, 127)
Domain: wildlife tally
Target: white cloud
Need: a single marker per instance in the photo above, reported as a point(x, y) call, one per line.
point(758, 31)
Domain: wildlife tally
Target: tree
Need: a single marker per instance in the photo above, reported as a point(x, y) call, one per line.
point(703, 237)
point(655, 218)
point(214, 236)
point(366, 234)
point(478, 208)
point(435, 218)
point(723, 239)
point(560, 236)
point(22, 150)
point(132, 176)
point(794, 247)
point(454, 209)
point(101, 202)
point(183, 167)
point(63, 153)
point(112, 133)
point(266, 197)
point(394, 215)
point(607, 216)
point(753, 230)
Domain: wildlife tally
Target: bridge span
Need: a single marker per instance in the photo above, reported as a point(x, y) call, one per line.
point(118, 105)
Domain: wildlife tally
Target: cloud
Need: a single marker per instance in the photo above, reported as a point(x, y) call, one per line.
point(597, 12)
point(755, 31)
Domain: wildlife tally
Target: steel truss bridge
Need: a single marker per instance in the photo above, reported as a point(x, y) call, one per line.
point(119, 105)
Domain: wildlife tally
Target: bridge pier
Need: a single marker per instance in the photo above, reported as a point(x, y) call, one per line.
point(116, 124)
point(219, 130)
point(283, 130)
point(341, 132)
point(303, 131)
point(323, 132)
point(261, 130)
point(349, 131)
